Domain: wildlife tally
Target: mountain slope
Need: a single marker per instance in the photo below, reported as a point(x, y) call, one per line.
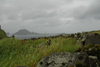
point(2, 34)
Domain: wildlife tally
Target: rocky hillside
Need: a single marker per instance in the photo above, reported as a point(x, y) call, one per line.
point(88, 55)
point(2, 34)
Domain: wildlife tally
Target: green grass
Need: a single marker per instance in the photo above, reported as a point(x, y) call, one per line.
point(15, 52)
point(2, 34)
point(98, 32)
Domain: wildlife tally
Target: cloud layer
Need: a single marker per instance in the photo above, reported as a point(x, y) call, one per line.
point(50, 16)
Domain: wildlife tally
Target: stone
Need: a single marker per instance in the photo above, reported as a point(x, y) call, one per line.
point(72, 35)
point(89, 39)
point(65, 59)
point(78, 35)
point(94, 54)
point(94, 61)
point(48, 42)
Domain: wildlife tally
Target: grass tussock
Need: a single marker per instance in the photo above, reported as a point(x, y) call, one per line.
point(15, 52)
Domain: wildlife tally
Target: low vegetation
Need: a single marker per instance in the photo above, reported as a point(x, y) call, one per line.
point(14, 52)
point(98, 32)
point(2, 34)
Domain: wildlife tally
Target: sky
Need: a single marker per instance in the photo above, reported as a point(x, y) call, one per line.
point(50, 16)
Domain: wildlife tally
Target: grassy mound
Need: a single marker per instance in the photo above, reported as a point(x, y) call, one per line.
point(98, 32)
point(2, 34)
point(15, 52)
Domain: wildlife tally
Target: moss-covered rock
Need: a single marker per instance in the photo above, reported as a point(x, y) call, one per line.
point(65, 59)
point(79, 64)
point(89, 39)
point(94, 53)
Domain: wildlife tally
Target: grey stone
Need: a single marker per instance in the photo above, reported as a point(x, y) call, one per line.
point(89, 39)
point(65, 59)
point(94, 61)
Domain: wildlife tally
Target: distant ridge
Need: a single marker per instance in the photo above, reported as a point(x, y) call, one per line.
point(24, 32)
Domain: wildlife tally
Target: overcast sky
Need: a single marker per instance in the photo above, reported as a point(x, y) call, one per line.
point(50, 16)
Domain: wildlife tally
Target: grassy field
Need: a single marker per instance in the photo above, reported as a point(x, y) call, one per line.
point(14, 52)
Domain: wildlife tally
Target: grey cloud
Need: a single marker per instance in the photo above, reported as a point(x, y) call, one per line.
point(44, 15)
point(12, 17)
point(53, 22)
point(92, 12)
point(30, 9)
point(37, 14)
point(33, 15)
point(46, 22)
point(68, 0)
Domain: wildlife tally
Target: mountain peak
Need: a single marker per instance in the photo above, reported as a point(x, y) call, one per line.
point(23, 32)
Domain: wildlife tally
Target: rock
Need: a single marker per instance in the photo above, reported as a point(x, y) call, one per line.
point(92, 39)
point(65, 59)
point(72, 35)
point(78, 35)
point(33, 38)
point(94, 61)
point(75, 36)
point(48, 42)
point(94, 53)
point(89, 39)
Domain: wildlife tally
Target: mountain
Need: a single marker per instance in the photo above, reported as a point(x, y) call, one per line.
point(2, 34)
point(24, 32)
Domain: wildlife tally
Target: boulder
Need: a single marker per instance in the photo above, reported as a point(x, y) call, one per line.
point(65, 59)
point(78, 35)
point(94, 53)
point(49, 42)
point(94, 61)
point(89, 39)
point(93, 50)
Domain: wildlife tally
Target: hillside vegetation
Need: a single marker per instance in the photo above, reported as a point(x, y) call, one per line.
point(15, 52)
point(2, 34)
point(98, 32)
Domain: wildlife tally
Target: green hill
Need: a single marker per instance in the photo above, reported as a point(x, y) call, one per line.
point(2, 34)
point(98, 32)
